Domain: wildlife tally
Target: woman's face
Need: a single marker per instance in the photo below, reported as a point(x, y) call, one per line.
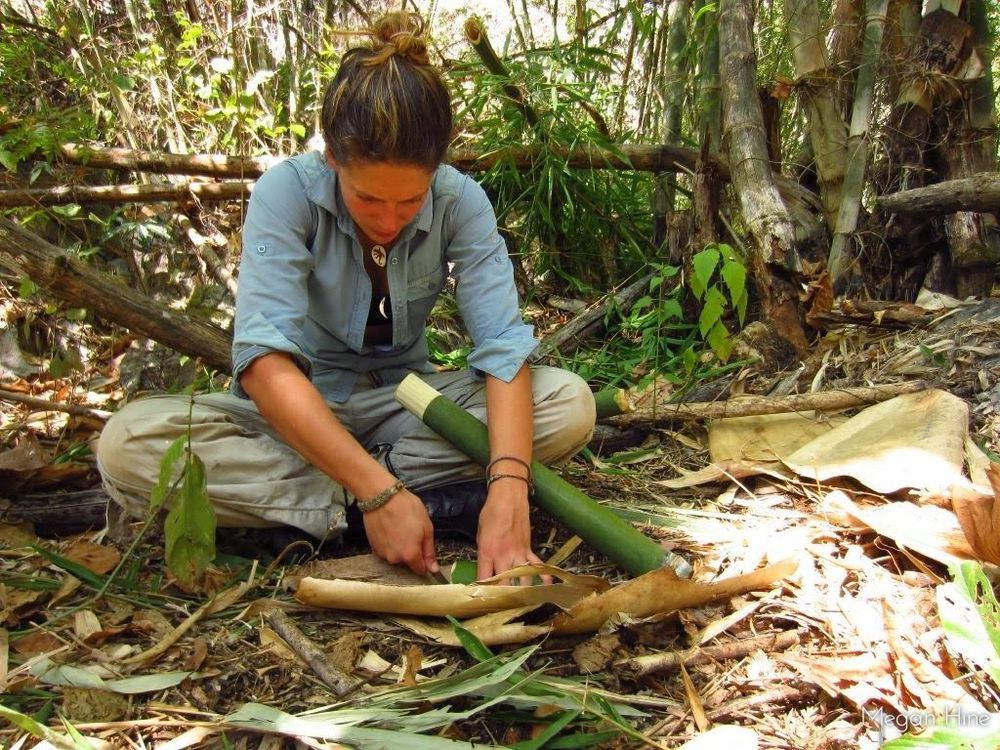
point(382, 197)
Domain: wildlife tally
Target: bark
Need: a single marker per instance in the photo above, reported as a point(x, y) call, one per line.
point(841, 253)
point(640, 157)
point(191, 192)
point(815, 81)
point(773, 255)
point(72, 280)
point(980, 193)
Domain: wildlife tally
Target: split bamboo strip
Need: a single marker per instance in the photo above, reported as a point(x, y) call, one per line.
point(579, 513)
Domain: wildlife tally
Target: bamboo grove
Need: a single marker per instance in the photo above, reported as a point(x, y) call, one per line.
point(803, 133)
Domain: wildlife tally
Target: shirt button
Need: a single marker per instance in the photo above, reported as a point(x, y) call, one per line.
point(261, 249)
point(394, 261)
point(497, 259)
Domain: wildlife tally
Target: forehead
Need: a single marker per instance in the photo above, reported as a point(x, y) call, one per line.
point(386, 181)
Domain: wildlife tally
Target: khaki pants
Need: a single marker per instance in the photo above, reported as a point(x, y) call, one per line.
point(256, 480)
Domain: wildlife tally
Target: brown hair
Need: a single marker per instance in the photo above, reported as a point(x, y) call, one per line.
point(387, 103)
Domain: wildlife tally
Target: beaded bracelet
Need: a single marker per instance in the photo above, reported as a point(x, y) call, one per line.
point(515, 459)
point(367, 506)
point(494, 477)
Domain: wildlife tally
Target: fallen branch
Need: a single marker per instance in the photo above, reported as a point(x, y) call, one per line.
point(748, 406)
point(641, 666)
point(41, 403)
point(188, 192)
point(584, 323)
point(979, 194)
point(332, 676)
point(639, 157)
point(70, 279)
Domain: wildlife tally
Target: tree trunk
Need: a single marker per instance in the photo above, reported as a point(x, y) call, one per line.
point(70, 279)
point(841, 253)
point(774, 258)
point(815, 79)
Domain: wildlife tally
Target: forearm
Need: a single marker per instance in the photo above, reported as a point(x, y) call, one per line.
point(510, 419)
point(293, 406)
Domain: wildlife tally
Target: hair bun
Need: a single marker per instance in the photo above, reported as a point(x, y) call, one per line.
point(400, 34)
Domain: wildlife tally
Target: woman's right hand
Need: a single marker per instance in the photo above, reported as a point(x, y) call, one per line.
point(401, 532)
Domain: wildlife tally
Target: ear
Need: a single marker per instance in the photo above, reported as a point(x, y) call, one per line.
point(329, 158)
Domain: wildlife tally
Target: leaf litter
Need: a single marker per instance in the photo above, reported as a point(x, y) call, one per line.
point(869, 631)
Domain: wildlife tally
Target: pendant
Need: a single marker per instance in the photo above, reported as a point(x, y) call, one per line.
point(379, 255)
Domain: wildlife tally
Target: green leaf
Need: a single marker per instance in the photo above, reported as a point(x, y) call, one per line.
point(470, 643)
point(124, 82)
point(161, 491)
point(68, 210)
point(75, 569)
point(970, 615)
point(8, 160)
point(549, 732)
point(671, 309)
point(720, 341)
point(711, 311)
point(27, 288)
point(79, 741)
point(703, 265)
point(734, 274)
point(190, 526)
point(946, 737)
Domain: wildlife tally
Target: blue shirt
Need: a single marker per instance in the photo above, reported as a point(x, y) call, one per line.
point(303, 288)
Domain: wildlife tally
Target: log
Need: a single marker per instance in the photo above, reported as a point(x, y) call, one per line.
point(72, 280)
point(639, 157)
point(845, 398)
point(980, 193)
point(190, 192)
point(54, 514)
point(588, 321)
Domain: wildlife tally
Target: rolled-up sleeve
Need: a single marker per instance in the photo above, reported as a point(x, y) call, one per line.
point(272, 303)
point(485, 292)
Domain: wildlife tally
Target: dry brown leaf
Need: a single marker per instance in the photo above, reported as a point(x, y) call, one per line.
point(979, 516)
point(38, 642)
point(596, 653)
point(694, 700)
point(85, 624)
point(96, 558)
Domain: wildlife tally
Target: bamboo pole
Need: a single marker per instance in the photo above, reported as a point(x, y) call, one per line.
point(580, 514)
point(979, 193)
point(186, 193)
point(841, 255)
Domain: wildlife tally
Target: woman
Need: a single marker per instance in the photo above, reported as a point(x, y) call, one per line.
point(344, 254)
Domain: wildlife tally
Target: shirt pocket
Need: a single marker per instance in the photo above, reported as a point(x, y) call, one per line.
point(425, 285)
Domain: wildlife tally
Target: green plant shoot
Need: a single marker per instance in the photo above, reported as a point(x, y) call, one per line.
point(718, 280)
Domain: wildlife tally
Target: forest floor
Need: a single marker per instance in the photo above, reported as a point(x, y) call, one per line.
point(840, 653)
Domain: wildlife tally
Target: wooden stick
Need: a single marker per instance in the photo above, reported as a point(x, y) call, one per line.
point(332, 676)
point(641, 666)
point(845, 398)
point(41, 403)
point(980, 193)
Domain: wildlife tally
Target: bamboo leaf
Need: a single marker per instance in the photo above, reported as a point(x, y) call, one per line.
point(75, 569)
point(970, 615)
point(470, 643)
point(549, 732)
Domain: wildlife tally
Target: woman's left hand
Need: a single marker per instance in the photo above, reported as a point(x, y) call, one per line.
point(504, 537)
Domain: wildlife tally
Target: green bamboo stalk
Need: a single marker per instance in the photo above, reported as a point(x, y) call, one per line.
point(613, 401)
point(578, 512)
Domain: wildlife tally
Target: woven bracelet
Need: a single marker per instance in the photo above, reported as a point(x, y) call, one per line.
point(367, 506)
point(494, 477)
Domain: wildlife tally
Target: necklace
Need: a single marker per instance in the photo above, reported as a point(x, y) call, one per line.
point(379, 255)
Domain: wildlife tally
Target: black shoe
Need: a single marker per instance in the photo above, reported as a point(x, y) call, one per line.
point(454, 508)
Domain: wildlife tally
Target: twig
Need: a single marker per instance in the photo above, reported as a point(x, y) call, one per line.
point(641, 666)
point(336, 679)
point(844, 398)
point(41, 403)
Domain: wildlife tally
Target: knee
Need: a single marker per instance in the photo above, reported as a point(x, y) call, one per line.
point(569, 408)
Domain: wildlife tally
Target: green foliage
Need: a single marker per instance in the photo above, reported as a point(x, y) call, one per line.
point(189, 527)
point(970, 615)
point(718, 280)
